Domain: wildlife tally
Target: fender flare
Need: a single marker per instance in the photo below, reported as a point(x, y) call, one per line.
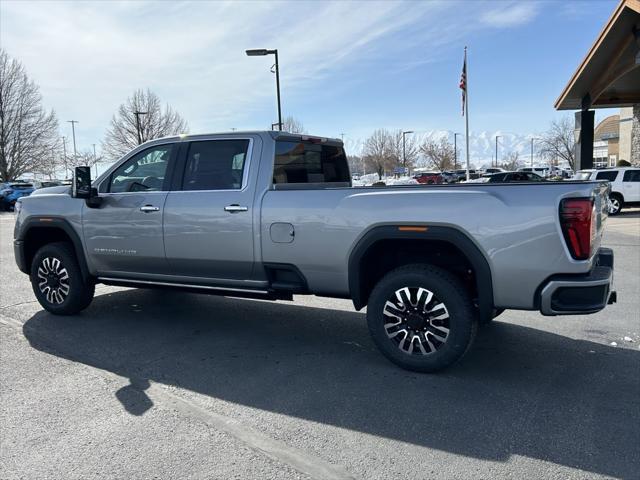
point(450, 235)
point(53, 223)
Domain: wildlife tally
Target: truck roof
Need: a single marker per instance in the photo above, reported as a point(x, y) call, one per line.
point(275, 134)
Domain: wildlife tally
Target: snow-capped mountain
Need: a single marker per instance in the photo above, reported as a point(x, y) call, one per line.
point(482, 145)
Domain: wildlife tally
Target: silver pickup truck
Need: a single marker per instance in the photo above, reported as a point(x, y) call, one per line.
point(272, 214)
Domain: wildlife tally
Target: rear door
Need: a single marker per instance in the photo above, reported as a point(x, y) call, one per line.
point(123, 237)
point(631, 185)
point(208, 216)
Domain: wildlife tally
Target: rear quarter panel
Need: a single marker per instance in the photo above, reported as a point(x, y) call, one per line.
point(515, 226)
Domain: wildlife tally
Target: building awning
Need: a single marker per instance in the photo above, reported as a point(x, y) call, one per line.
point(609, 76)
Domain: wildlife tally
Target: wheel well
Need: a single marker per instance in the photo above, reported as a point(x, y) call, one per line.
point(617, 194)
point(385, 255)
point(38, 237)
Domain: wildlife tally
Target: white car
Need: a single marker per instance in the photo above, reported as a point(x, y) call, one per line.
point(625, 185)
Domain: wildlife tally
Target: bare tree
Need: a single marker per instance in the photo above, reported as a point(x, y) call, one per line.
point(293, 125)
point(85, 158)
point(356, 163)
point(153, 122)
point(511, 161)
point(399, 150)
point(376, 152)
point(559, 141)
point(439, 155)
point(27, 130)
point(49, 162)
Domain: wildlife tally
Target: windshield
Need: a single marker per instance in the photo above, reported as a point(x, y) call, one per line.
point(582, 175)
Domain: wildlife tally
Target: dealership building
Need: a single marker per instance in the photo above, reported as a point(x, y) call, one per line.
point(608, 77)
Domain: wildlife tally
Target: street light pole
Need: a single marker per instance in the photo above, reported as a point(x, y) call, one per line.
point(455, 150)
point(262, 52)
point(497, 137)
point(95, 159)
point(531, 152)
point(137, 114)
point(64, 152)
point(278, 90)
point(73, 131)
point(404, 149)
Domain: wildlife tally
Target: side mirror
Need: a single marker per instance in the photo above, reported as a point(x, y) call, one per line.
point(81, 187)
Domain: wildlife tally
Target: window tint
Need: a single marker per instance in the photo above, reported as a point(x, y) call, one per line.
point(631, 176)
point(299, 162)
point(609, 175)
point(215, 165)
point(532, 177)
point(519, 177)
point(144, 172)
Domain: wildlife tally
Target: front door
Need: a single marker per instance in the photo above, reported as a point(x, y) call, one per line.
point(208, 216)
point(123, 236)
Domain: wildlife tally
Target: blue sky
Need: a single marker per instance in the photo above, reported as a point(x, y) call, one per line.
point(345, 67)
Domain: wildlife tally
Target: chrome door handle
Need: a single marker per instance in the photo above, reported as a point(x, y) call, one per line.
point(235, 208)
point(149, 208)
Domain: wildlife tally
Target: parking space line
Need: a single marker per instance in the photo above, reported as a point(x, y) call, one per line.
point(297, 459)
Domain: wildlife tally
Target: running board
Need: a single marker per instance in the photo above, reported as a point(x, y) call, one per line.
point(188, 287)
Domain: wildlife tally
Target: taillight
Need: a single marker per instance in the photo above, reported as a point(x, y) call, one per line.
point(577, 218)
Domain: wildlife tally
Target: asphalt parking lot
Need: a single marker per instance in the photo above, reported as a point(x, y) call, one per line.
point(154, 384)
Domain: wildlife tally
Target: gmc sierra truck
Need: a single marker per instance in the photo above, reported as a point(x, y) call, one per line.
point(272, 214)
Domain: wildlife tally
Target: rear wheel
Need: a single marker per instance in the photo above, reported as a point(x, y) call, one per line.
point(421, 318)
point(57, 280)
point(615, 204)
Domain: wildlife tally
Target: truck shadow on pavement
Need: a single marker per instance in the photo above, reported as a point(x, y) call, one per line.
point(520, 391)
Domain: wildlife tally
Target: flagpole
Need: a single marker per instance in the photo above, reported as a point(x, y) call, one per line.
point(466, 109)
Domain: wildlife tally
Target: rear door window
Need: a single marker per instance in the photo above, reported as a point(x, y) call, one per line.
point(610, 175)
point(304, 162)
point(215, 165)
point(631, 176)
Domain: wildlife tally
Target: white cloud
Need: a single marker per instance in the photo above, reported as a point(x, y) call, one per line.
point(510, 16)
point(89, 56)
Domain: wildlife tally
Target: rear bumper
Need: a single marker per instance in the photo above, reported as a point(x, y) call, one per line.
point(580, 294)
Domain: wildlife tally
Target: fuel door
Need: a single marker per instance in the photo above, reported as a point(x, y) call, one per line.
point(282, 232)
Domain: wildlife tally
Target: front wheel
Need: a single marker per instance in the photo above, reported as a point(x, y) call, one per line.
point(421, 318)
point(57, 280)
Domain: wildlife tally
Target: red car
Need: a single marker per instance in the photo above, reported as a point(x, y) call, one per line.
point(429, 178)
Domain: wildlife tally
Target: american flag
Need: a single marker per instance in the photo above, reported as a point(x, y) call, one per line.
point(463, 81)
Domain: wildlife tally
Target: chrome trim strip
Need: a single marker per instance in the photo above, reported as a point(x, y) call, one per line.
point(170, 284)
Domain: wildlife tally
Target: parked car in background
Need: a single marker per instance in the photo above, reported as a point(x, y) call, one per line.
point(583, 175)
point(494, 170)
point(429, 178)
point(625, 185)
point(508, 177)
point(449, 176)
point(462, 174)
point(46, 183)
point(542, 171)
point(13, 191)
